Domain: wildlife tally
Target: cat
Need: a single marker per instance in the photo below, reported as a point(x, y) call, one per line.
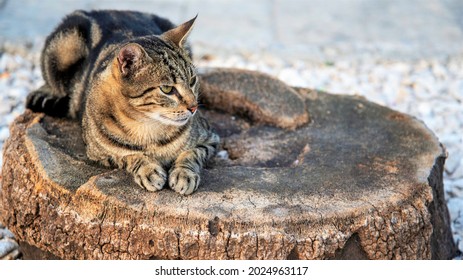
point(129, 78)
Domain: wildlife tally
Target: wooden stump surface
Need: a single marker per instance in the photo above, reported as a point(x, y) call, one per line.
point(356, 181)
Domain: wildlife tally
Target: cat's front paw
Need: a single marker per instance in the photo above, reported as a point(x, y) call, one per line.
point(150, 177)
point(183, 180)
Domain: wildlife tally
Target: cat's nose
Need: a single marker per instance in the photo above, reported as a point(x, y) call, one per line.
point(193, 109)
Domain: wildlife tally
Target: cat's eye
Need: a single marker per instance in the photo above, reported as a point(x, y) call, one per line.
point(193, 81)
point(166, 89)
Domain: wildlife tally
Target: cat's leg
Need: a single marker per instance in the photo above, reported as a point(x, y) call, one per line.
point(43, 100)
point(147, 173)
point(184, 175)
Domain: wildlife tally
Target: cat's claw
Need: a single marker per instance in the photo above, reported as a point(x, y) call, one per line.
point(183, 180)
point(151, 178)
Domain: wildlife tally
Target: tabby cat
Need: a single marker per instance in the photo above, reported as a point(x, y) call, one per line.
point(129, 78)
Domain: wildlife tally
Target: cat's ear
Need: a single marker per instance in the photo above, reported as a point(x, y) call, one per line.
point(130, 57)
point(179, 34)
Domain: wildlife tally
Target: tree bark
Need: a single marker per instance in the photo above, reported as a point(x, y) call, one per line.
point(359, 181)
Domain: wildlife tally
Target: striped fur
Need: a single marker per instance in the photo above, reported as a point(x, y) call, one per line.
point(128, 77)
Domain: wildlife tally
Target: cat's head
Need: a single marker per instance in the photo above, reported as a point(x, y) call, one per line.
point(158, 77)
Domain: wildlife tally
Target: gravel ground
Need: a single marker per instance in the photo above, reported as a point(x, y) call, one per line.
point(9, 249)
point(430, 90)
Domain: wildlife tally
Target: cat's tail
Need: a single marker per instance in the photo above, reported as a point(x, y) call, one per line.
point(65, 51)
point(42, 100)
point(63, 61)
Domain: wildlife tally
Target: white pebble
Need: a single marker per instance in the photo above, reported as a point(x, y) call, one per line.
point(454, 188)
point(425, 109)
point(458, 173)
point(291, 77)
point(5, 107)
point(223, 154)
point(458, 224)
point(4, 133)
point(460, 246)
point(453, 162)
point(455, 206)
point(7, 246)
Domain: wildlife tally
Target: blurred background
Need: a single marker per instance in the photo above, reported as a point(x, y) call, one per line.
point(407, 55)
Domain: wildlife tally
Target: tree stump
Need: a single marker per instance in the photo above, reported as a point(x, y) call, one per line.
point(357, 181)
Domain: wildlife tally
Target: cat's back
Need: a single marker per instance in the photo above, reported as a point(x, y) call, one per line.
point(114, 26)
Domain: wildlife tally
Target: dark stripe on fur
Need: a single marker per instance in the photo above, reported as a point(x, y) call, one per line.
point(117, 123)
point(205, 148)
point(117, 142)
point(173, 137)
